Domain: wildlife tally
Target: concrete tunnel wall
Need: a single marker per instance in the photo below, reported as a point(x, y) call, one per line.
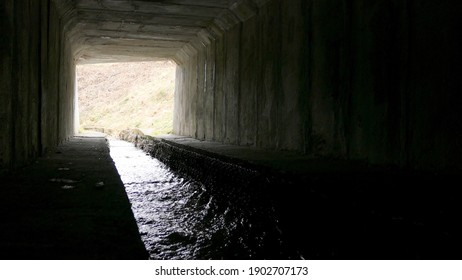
point(36, 81)
point(375, 81)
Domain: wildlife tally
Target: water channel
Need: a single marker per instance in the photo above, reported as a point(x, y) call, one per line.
point(179, 218)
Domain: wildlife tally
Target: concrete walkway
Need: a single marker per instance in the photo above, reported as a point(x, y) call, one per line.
point(70, 204)
point(282, 161)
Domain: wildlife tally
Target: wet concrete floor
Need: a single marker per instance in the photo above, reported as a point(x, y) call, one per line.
point(69, 204)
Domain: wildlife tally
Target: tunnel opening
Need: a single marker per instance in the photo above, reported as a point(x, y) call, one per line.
point(112, 97)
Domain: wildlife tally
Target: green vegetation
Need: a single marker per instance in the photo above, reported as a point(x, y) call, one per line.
point(118, 96)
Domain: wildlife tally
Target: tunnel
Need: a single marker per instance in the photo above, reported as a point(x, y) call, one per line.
point(348, 86)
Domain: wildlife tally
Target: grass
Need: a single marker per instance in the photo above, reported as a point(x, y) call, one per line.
point(118, 96)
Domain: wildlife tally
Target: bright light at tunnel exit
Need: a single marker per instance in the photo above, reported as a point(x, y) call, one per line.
point(111, 97)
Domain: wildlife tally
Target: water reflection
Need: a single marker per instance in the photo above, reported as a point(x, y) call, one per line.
point(181, 219)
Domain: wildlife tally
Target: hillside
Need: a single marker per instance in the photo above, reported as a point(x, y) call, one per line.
point(127, 95)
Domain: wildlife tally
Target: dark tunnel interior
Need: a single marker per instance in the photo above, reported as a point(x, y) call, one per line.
point(348, 111)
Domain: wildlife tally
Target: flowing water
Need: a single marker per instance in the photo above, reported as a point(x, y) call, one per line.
point(182, 219)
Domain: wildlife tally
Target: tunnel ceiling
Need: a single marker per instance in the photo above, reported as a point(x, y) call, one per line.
point(130, 30)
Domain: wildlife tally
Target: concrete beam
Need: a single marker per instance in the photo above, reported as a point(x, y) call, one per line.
point(144, 7)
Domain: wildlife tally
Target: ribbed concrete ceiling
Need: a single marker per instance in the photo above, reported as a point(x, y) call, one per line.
point(130, 30)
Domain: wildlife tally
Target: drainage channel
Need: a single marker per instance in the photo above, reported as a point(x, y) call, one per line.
point(180, 219)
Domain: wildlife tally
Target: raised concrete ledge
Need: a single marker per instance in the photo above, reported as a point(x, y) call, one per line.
point(208, 161)
point(200, 164)
point(274, 161)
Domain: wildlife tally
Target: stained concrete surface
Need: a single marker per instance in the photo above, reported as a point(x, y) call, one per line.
point(69, 204)
point(355, 80)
